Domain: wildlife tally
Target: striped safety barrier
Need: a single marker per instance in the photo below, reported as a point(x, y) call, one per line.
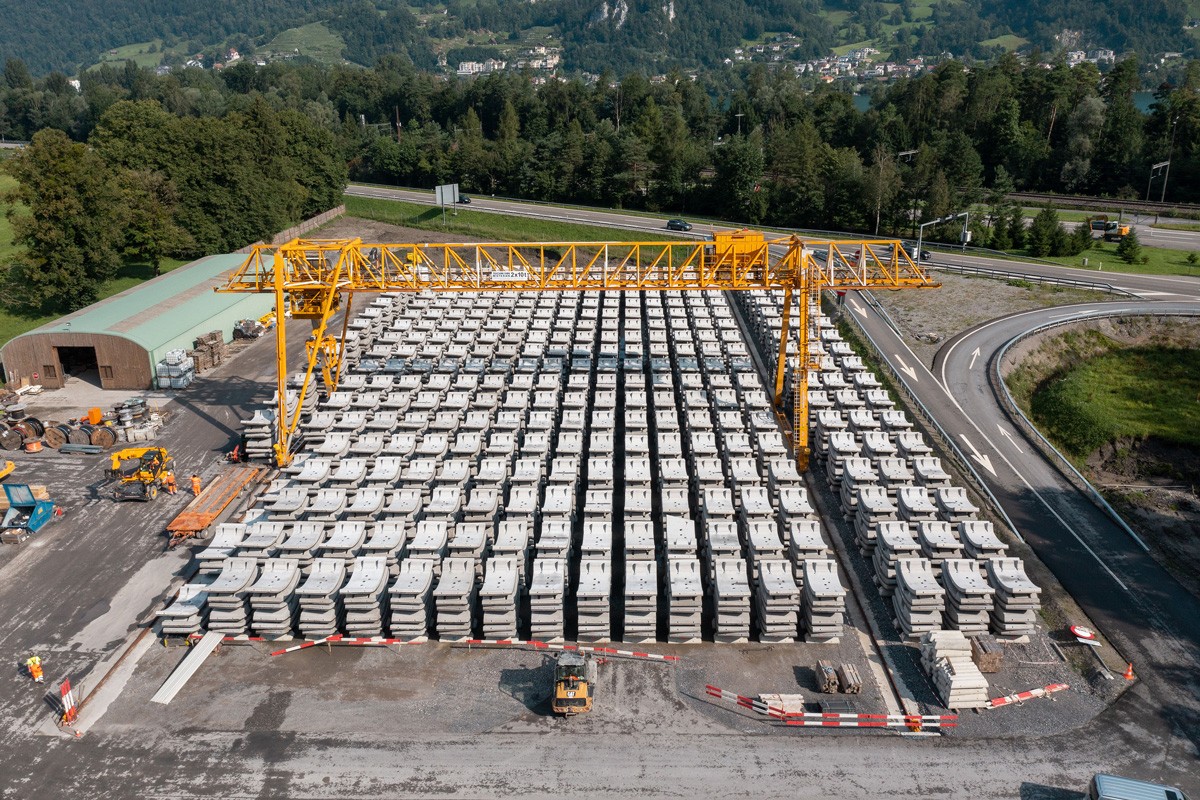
point(340, 639)
point(822, 720)
point(574, 648)
point(1021, 697)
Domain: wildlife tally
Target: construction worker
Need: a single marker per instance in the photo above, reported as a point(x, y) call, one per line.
point(34, 665)
point(169, 482)
point(195, 484)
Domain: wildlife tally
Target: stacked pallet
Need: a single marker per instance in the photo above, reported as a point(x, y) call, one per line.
point(777, 600)
point(498, 597)
point(176, 370)
point(641, 601)
point(1017, 598)
point(319, 615)
point(946, 658)
point(410, 599)
point(987, 653)
point(685, 596)
point(969, 598)
point(210, 351)
point(731, 593)
point(454, 599)
point(546, 590)
point(824, 601)
point(364, 597)
point(919, 600)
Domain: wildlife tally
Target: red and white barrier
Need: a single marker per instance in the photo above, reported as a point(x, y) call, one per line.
point(339, 639)
point(70, 710)
point(820, 720)
point(1021, 697)
point(574, 648)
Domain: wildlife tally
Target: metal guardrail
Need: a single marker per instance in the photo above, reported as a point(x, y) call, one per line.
point(928, 418)
point(1000, 388)
point(1003, 274)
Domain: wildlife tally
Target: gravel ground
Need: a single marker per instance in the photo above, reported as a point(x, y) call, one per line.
point(928, 318)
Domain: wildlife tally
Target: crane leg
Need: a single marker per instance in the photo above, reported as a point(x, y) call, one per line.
point(800, 404)
point(781, 362)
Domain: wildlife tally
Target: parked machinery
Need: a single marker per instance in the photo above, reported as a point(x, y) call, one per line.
point(140, 471)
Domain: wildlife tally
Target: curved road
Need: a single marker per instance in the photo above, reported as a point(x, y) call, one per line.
point(1137, 604)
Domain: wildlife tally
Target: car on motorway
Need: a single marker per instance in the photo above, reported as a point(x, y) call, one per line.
point(464, 199)
point(678, 225)
point(910, 247)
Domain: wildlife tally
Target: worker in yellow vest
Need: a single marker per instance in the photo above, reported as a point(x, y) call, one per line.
point(34, 665)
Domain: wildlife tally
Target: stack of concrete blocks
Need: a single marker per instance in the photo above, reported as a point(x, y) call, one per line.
point(893, 541)
point(842, 445)
point(185, 615)
point(258, 435)
point(430, 542)
point(828, 423)
point(641, 600)
point(980, 541)
point(301, 544)
point(593, 598)
point(954, 505)
point(878, 445)
point(969, 598)
point(777, 601)
point(915, 506)
point(824, 601)
point(938, 542)
point(893, 474)
point(365, 598)
point(762, 544)
point(410, 600)
point(273, 600)
point(227, 596)
point(222, 546)
point(555, 539)
point(731, 600)
point(805, 540)
point(928, 471)
point(793, 507)
point(386, 540)
point(320, 615)
point(919, 599)
point(454, 599)
point(1017, 598)
point(547, 588)
point(946, 658)
point(262, 541)
point(685, 599)
point(874, 508)
point(639, 540)
point(857, 474)
point(679, 537)
point(470, 541)
point(344, 542)
point(514, 539)
point(500, 597)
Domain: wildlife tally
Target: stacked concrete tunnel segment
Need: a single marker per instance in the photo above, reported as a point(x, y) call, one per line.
point(589, 467)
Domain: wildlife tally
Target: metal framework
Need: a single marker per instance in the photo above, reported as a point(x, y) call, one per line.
point(309, 278)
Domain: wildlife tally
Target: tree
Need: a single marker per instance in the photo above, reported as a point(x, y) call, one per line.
point(881, 182)
point(1016, 227)
point(74, 230)
point(1046, 235)
point(1129, 248)
point(150, 202)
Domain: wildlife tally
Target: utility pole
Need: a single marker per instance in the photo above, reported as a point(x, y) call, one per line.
point(1170, 149)
point(739, 116)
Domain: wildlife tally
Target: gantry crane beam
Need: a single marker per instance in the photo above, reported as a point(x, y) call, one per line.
point(309, 277)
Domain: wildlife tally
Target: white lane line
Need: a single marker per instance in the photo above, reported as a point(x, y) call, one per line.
point(985, 461)
point(1009, 436)
point(905, 368)
point(974, 355)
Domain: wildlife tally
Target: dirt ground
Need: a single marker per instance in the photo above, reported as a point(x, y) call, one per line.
point(371, 231)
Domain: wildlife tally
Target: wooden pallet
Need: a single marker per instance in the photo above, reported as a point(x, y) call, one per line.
point(203, 511)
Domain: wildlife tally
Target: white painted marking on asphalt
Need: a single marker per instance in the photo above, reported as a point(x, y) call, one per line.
point(985, 461)
point(974, 355)
point(1010, 438)
point(857, 308)
point(906, 369)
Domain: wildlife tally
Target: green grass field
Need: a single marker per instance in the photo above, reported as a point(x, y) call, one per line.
point(315, 41)
point(1008, 42)
point(1103, 258)
point(138, 53)
point(1136, 392)
point(1176, 226)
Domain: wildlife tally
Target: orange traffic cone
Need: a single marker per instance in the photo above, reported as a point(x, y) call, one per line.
point(1129, 672)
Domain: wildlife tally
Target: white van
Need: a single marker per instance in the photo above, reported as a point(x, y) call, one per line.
point(1111, 787)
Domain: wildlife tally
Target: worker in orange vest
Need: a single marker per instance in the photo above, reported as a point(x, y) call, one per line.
point(195, 484)
point(169, 482)
point(34, 665)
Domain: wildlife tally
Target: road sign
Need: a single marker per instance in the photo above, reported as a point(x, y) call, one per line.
point(446, 194)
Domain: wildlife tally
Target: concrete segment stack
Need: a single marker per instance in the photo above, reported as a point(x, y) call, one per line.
point(824, 601)
point(685, 597)
point(320, 615)
point(969, 598)
point(454, 599)
point(499, 598)
point(364, 597)
point(546, 591)
point(1017, 598)
point(777, 601)
point(946, 658)
point(410, 600)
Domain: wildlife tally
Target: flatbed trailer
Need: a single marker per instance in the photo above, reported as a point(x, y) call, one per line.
point(194, 520)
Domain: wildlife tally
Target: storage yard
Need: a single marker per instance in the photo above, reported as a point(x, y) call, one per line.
point(560, 469)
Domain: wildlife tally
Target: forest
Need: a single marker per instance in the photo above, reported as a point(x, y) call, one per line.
point(622, 35)
point(241, 153)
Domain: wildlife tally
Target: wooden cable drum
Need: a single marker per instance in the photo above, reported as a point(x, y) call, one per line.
point(104, 437)
point(35, 425)
point(11, 440)
point(27, 430)
point(56, 436)
point(80, 435)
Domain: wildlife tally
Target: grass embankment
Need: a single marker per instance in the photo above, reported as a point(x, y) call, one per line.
point(13, 323)
point(1102, 258)
point(1110, 392)
point(487, 226)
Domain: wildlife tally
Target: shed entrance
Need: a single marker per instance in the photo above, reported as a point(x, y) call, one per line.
point(79, 362)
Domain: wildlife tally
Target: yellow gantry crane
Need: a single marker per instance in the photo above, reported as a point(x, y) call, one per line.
point(310, 277)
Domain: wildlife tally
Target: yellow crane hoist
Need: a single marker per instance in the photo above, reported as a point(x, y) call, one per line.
point(311, 278)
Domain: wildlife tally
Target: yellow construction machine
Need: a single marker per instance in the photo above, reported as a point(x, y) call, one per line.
point(574, 684)
point(140, 471)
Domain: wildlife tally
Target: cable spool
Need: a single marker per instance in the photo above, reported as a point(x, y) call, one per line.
point(35, 425)
point(33, 445)
point(28, 431)
point(104, 437)
point(56, 436)
point(80, 435)
point(11, 439)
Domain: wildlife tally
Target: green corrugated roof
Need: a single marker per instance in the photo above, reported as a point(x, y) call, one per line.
point(157, 311)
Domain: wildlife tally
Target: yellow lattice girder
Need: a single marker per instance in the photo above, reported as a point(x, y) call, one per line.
point(309, 276)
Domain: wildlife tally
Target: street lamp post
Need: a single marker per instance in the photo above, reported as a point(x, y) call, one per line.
point(921, 229)
point(739, 116)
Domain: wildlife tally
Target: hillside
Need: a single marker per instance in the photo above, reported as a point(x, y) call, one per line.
point(619, 35)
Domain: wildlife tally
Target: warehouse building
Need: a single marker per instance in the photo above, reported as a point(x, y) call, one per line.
point(117, 341)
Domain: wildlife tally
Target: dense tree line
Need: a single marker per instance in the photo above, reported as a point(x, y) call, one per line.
point(239, 154)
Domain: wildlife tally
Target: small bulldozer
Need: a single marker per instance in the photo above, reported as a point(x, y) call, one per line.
point(574, 684)
point(140, 472)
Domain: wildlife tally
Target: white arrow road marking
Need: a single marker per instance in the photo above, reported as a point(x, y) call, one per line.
point(906, 369)
point(985, 461)
point(1010, 438)
point(974, 355)
point(857, 308)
